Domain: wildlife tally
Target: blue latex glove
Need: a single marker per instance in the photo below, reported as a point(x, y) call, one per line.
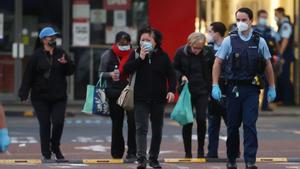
point(271, 94)
point(4, 140)
point(216, 92)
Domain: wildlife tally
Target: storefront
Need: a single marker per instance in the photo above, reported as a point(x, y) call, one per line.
point(88, 27)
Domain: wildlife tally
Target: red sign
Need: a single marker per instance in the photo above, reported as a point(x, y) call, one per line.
point(116, 4)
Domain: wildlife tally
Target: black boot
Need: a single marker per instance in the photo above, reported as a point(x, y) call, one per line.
point(142, 164)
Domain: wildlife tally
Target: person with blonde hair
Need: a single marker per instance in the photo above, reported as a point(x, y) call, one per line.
point(193, 64)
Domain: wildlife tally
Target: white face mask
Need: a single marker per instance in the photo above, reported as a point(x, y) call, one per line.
point(262, 21)
point(242, 26)
point(276, 19)
point(210, 38)
point(124, 48)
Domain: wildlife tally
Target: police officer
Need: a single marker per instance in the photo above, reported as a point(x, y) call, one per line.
point(216, 109)
point(286, 52)
point(241, 53)
point(270, 36)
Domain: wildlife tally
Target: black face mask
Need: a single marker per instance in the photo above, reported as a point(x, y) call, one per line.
point(52, 43)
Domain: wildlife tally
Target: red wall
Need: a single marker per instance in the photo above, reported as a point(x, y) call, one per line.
point(175, 19)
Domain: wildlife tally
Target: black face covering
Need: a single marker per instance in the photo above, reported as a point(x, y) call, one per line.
point(52, 43)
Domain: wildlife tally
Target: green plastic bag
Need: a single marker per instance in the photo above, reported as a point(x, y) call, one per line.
point(183, 111)
point(89, 101)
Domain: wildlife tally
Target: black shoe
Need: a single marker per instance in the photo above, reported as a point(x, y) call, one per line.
point(188, 155)
point(58, 155)
point(131, 157)
point(200, 153)
point(142, 164)
point(231, 166)
point(211, 156)
point(46, 157)
point(251, 166)
point(154, 164)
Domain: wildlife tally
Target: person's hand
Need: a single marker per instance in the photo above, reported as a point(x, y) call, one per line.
point(184, 79)
point(216, 92)
point(170, 97)
point(143, 53)
point(4, 140)
point(271, 94)
point(114, 76)
point(62, 60)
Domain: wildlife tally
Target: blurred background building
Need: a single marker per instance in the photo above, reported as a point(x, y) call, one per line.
point(88, 27)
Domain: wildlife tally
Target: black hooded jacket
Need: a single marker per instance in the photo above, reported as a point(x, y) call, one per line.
point(197, 68)
point(155, 76)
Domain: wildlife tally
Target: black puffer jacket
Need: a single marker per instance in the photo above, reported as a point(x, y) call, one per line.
point(45, 77)
point(197, 68)
point(153, 75)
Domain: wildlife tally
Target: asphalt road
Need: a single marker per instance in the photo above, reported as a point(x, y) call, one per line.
point(88, 137)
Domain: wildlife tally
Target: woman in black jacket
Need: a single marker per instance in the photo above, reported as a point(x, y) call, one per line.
point(111, 69)
point(193, 63)
point(153, 70)
point(45, 79)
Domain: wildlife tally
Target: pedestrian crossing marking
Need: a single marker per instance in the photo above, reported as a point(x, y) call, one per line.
point(185, 160)
point(103, 161)
point(271, 160)
point(21, 161)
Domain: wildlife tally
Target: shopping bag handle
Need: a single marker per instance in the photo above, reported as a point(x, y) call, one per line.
point(101, 83)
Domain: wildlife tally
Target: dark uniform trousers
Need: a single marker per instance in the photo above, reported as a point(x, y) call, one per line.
point(51, 117)
point(243, 108)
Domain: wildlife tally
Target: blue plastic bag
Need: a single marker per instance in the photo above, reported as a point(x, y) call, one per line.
point(4, 140)
point(183, 111)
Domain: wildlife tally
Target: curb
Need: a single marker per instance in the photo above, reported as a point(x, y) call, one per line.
point(167, 160)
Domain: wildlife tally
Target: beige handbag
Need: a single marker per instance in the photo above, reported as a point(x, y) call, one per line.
point(126, 98)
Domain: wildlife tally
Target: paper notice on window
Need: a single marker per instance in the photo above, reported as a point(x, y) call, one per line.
point(98, 16)
point(110, 33)
point(81, 33)
point(119, 18)
point(1, 25)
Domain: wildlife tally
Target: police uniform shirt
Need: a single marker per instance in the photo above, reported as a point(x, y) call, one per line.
point(217, 47)
point(262, 28)
point(286, 31)
point(226, 48)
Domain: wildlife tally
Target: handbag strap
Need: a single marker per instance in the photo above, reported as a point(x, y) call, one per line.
point(132, 82)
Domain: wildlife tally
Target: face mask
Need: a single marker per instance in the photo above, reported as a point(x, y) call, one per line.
point(147, 45)
point(124, 48)
point(276, 19)
point(210, 38)
point(242, 26)
point(262, 21)
point(52, 43)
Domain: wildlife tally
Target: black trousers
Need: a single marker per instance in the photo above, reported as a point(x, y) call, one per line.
point(51, 117)
point(200, 103)
point(117, 143)
point(144, 110)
